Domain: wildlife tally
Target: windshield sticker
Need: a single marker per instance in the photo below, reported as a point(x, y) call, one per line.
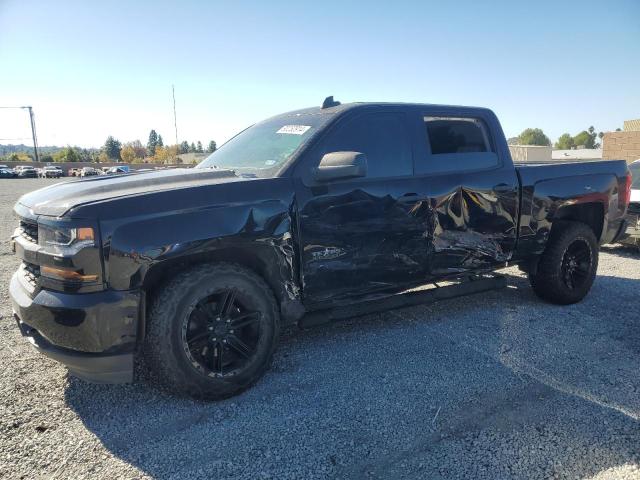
point(270, 162)
point(294, 129)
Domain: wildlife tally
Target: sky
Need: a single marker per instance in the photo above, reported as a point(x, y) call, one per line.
point(93, 69)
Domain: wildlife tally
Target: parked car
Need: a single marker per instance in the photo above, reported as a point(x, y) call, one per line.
point(5, 167)
point(88, 172)
point(632, 235)
point(117, 170)
point(51, 171)
point(7, 173)
point(199, 269)
point(25, 171)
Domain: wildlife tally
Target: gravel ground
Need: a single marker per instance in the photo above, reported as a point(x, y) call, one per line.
point(497, 385)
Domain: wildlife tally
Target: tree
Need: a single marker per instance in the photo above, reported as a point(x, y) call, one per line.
point(166, 154)
point(112, 148)
point(20, 157)
point(533, 136)
point(199, 147)
point(140, 150)
point(128, 154)
point(67, 154)
point(160, 142)
point(184, 147)
point(152, 143)
point(565, 142)
point(586, 139)
point(192, 148)
point(212, 147)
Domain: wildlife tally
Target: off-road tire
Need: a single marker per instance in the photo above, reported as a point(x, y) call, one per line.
point(164, 352)
point(547, 280)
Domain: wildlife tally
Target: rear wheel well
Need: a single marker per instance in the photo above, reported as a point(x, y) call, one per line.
point(591, 214)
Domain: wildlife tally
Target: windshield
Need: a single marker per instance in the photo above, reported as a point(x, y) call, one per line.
point(262, 149)
point(634, 168)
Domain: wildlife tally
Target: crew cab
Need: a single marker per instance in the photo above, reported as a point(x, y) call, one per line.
point(195, 271)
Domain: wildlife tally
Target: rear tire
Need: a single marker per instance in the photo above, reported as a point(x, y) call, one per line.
point(567, 267)
point(212, 331)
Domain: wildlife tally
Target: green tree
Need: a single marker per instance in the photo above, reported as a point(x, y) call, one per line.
point(192, 148)
point(67, 154)
point(585, 139)
point(212, 147)
point(533, 136)
point(152, 143)
point(565, 142)
point(199, 147)
point(160, 142)
point(112, 148)
point(184, 147)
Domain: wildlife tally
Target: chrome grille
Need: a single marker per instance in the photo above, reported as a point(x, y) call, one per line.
point(29, 231)
point(31, 273)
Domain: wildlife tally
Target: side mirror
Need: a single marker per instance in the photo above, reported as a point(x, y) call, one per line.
point(341, 165)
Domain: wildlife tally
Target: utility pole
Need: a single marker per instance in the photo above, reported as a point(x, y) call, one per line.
point(33, 130)
point(175, 121)
point(33, 133)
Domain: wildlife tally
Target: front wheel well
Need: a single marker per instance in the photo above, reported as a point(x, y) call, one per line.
point(159, 274)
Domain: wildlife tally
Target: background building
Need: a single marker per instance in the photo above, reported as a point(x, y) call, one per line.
point(623, 145)
point(530, 153)
point(585, 154)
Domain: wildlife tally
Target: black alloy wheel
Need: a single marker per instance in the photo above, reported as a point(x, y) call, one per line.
point(221, 335)
point(576, 264)
point(212, 330)
point(567, 268)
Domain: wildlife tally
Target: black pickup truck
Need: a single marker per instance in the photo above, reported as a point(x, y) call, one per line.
point(195, 271)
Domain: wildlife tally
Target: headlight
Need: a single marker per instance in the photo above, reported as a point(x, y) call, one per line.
point(63, 240)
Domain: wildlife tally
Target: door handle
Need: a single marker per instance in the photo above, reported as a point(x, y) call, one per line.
point(503, 188)
point(408, 197)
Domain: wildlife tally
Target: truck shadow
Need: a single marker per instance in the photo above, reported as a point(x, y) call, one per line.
point(498, 380)
point(621, 250)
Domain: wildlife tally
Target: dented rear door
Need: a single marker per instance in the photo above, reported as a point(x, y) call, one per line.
point(468, 180)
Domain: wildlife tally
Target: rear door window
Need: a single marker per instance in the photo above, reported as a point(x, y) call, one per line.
point(457, 144)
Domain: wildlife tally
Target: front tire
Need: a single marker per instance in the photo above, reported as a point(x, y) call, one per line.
point(567, 267)
point(212, 331)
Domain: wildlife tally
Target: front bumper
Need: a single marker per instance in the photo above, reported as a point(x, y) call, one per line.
point(93, 334)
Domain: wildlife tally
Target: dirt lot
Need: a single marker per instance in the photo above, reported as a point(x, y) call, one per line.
point(498, 385)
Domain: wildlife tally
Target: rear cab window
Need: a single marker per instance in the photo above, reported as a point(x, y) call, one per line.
point(456, 144)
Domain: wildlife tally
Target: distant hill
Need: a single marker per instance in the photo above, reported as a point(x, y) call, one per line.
point(9, 149)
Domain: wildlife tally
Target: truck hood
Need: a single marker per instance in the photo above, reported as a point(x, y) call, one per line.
point(56, 200)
